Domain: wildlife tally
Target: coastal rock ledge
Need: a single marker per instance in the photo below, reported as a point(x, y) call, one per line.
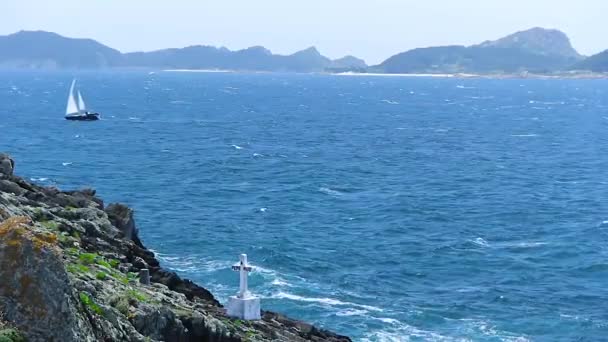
point(69, 272)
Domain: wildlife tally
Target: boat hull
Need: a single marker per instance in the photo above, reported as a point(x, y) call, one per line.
point(83, 117)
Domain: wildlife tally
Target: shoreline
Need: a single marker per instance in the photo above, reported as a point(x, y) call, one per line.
point(589, 75)
point(577, 75)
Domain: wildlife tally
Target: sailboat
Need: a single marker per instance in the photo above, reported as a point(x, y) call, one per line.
point(76, 108)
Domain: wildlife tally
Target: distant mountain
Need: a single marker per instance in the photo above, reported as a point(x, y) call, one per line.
point(535, 50)
point(255, 58)
point(348, 63)
point(39, 49)
point(537, 41)
point(595, 63)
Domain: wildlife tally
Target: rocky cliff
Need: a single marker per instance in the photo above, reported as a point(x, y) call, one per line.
point(69, 272)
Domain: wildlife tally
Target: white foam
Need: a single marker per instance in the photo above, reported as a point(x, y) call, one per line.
point(481, 242)
point(257, 155)
point(329, 191)
point(352, 312)
point(66, 163)
point(529, 244)
point(400, 332)
point(325, 301)
point(390, 102)
point(40, 179)
point(193, 264)
point(393, 75)
point(388, 320)
point(524, 135)
point(196, 70)
point(280, 282)
point(263, 210)
point(237, 147)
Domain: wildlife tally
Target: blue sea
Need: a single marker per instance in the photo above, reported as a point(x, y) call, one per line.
point(384, 208)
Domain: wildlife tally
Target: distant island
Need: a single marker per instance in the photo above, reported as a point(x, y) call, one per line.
point(47, 50)
point(535, 51)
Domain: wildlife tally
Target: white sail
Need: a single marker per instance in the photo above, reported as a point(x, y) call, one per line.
point(81, 106)
point(72, 107)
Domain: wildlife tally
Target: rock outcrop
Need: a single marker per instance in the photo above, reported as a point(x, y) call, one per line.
point(69, 272)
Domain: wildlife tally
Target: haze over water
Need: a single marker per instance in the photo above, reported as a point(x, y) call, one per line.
point(381, 208)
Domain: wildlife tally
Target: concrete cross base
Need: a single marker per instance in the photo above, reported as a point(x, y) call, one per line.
point(244, 308)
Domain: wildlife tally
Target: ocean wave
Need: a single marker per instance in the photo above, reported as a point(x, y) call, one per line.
point(524, 135)
point(67, 163)
point(237, 147)
point(193, 264)
point(39, 179)
point(524, 244)
point(390, 102)
point(480, 97)
point(480, 242)
point(352, 312)
point(548, 102)
point(324, 301)
point(280, 282)
point(400, 332)
point(331, 192)
point(273, 276)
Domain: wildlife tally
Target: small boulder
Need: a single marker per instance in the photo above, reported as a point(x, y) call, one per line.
point(121, 217)
point(7, 165)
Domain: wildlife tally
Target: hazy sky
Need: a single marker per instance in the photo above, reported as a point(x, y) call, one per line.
point(370, 29)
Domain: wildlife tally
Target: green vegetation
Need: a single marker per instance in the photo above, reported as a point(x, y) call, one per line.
point(72, 251)
point(139, 296)
point(102, 262)
point(250, 335)
point(11, 335)
point(101, 276)
point(120, 277)
point(114, 263)
point(87, 258)
point(89, 303)
point(123, 301)
point(78, 268)
point(121, 304)
point(50, 225)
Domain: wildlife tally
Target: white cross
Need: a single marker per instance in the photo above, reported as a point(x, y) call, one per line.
point(244, 269)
